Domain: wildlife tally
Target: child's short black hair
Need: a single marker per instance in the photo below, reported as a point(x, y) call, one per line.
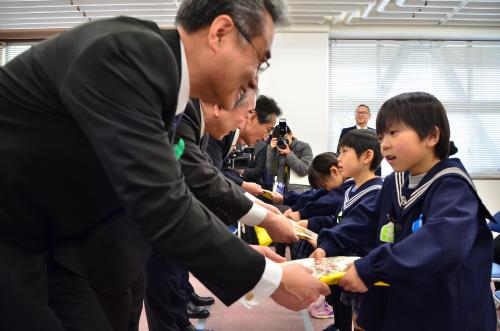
point(362, 140)
point(320, 168)
point(420, 111)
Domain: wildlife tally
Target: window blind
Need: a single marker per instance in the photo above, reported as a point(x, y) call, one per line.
point(464, 76)
point(11, 50)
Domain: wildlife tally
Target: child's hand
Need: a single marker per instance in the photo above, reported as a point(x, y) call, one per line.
point(287, 212)
point(318, 254)
point(313, 242)
point(351, 281)
point(303, 223)
point(277, 198)
point(294, 216)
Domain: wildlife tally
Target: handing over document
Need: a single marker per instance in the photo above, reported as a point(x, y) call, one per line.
point(330, 269)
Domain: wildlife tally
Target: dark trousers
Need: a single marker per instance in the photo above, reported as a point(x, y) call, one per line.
point(165, 297)
point(38, 294)
point(342, 313)
point(123, 310)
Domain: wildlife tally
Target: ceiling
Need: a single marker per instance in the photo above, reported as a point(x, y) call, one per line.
point(327, 14)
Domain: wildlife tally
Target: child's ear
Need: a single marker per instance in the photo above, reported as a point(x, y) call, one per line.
point(433, 137)
point(334, 171)
point(367, 156)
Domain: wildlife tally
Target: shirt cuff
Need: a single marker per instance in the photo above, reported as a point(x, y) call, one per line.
point(268, 283)
point(255, 215)
point(250, 196)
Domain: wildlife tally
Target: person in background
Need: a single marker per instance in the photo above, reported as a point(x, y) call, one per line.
point(293, 155)
point(426, 233)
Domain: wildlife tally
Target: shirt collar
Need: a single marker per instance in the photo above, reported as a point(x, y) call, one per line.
point(183, 97)
point(358, 127)
point(202, 116)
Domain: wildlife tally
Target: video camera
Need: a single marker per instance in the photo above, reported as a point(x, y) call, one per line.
point(282, 140)
point(240, 158)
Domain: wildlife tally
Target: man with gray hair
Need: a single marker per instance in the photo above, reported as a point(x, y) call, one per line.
point(88, 170)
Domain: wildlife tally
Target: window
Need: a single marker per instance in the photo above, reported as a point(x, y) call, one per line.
point(464, 76)
point(8, 51)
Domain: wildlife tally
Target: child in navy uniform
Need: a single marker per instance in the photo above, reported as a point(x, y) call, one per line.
point(359, 158)
point(433, 246)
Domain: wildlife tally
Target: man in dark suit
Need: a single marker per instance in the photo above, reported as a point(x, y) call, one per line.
point(84, 146)
point(164, 300)
point(362, 116)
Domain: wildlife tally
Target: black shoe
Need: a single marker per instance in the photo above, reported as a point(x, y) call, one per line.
point(201, 301)
point(196, 312)
point(192, 328)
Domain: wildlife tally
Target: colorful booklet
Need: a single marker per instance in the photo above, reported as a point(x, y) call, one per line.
point(302, 232)
point(330, 269)
point(267, 194)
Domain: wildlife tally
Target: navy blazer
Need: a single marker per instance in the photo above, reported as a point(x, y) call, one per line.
point(439, 272)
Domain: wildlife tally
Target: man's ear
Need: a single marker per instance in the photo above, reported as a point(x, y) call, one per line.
point(216, 110)
point(433, 137)
point(218, 32)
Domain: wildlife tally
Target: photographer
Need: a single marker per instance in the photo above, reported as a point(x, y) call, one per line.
point(287, 153)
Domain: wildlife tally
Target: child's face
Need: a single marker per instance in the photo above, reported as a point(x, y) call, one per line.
point(349, 163)
point(403, 149)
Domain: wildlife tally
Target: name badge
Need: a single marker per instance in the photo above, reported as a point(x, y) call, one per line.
point(387, 233)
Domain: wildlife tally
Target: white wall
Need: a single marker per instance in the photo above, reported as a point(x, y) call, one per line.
point(298, 81)
point(489, 192)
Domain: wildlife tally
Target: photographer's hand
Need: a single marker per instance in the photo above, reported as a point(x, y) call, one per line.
point(285, 151)
point(273, 142)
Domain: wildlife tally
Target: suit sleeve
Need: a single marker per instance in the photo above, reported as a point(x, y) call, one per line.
point(116, 91)
point(437, 247)
point(213, 189)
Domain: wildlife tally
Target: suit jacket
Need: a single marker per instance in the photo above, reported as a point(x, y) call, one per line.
point(257, 166)
point(345, 130)
point(84, 139)
point(208, 184)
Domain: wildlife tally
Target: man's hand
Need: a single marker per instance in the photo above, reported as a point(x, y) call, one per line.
point(279, 228)
point(294, 215)
point(318, 254)
point(252, 188)
point(351, 281)
point(298, 288)
point(277, 198)
point(269, 207)
point(269, 253)
point(303, 223)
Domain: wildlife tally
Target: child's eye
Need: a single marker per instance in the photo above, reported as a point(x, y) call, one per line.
point(393, 132)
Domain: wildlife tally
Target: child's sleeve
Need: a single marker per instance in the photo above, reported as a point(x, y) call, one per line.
point(356, 234)
point(439, 246)
point(324, 206)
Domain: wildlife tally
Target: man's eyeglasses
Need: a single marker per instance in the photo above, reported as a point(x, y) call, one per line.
point(264, 63)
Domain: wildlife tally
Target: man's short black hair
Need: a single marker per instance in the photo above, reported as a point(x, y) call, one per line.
point(362, 140)
point(363, 105)
point(265, 108)
point(419, 111)
point(247, 15)
point(320, 168)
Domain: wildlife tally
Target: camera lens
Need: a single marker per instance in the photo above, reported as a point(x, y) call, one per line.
point(281, 143)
